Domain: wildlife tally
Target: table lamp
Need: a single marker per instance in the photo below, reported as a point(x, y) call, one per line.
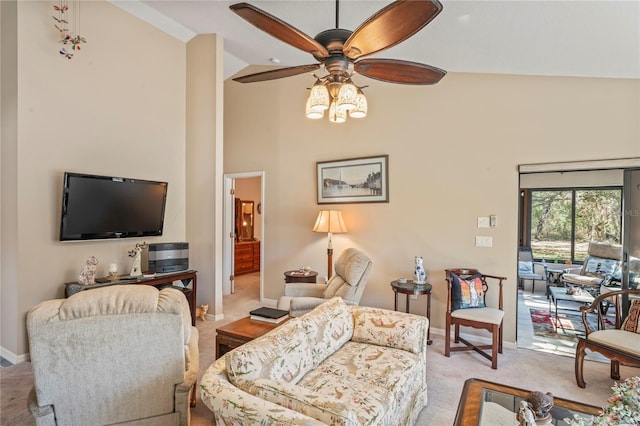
point(330, 221)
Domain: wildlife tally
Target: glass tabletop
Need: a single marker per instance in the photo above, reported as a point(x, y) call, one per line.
point(491, 404)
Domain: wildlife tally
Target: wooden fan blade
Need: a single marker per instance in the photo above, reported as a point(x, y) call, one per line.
point(390, 25)
point(277, 73)
point(279, 29)
point(395, 71)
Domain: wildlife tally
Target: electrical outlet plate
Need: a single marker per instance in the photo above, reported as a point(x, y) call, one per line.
point(482, 241)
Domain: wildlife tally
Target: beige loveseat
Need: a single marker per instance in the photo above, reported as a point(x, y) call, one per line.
point(123, 354)
point(337, 365)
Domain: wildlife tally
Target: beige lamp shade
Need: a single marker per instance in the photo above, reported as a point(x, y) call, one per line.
point(330, 221)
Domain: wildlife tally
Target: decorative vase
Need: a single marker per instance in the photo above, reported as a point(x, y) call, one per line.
point(419, 275)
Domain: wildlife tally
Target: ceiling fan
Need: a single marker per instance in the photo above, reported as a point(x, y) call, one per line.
point(337, 49)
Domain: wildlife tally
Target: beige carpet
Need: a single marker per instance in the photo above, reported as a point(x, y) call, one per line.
point(522, 368)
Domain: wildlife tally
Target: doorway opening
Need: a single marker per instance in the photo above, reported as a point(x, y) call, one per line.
point(560, 211)
point(243, 265)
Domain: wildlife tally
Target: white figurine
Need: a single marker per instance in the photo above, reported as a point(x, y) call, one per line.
point(136, 253)
point(419, 275)
point(88, 273)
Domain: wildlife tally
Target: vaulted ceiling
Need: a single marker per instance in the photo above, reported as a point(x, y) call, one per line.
point(590, 38)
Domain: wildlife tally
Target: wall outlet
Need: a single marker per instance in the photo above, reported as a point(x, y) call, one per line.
point(413, 297)
point(484, 241)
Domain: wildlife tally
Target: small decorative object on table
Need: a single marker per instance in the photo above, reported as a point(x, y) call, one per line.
point(541, 404)
point(574, 291)
point(88, 273)
point(136, 253)
point(525, 415)
point(113, 272)
point(420, 276)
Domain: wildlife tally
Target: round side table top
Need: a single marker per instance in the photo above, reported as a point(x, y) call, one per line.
point(410, 287)
point(297, 273)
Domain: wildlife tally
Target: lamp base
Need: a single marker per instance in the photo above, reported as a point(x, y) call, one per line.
point(329, 262)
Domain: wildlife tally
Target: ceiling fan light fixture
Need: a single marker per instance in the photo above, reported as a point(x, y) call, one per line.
point(347, 96)
point(337, 115)
point(311, 113)
point(360, 111)
point(318, 98)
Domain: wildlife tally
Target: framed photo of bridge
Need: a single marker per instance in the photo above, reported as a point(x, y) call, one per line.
point(354, 180)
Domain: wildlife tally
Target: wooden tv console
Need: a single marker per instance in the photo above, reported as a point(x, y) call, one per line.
point(159, 280)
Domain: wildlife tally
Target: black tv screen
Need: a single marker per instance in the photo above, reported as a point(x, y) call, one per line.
point(101, 207)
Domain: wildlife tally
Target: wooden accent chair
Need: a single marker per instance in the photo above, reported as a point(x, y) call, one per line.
point(620, 345)
point(467, 306)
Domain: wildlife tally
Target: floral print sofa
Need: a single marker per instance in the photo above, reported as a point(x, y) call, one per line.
point(336, 365)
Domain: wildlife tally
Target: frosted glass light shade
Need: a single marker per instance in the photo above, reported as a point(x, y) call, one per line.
point(337, 115)
point(347, 96)
point(318, 98)
point(314, 115)
point(360, 110)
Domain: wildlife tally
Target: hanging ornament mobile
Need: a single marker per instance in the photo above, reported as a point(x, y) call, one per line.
point(68, 37)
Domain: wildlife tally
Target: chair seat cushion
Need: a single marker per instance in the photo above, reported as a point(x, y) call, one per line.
point(530, 276)
point(581, 280)
point(625, 341)
point(487, 315)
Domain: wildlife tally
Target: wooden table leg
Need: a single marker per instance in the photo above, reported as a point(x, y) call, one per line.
point(429, 341)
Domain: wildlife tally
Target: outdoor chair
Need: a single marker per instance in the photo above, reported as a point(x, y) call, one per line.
point(621, 344)
point(352, 273)
point(602, 263)
point(528, 269)
point(467, 306)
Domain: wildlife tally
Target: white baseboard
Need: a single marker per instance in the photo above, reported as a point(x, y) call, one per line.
point(12, 357)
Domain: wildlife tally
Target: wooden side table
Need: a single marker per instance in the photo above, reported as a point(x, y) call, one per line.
point(239, 332)
point(300, 277)
point(410, 288)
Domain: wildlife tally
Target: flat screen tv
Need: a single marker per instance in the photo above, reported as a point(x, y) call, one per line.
point(102, 207)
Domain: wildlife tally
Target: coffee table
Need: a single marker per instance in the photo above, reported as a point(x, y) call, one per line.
point(560, 293)
point(483, 403)
point(239, 332)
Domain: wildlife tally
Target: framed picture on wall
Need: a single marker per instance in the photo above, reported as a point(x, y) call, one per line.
point(354, 180)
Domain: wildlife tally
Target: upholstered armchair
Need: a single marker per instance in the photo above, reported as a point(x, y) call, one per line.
point(603, 261)
point(352, 273)
point(124, 354)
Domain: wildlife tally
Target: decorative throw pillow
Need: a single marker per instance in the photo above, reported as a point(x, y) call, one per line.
point(525, 267)
point(466, 293)
point(632, 321)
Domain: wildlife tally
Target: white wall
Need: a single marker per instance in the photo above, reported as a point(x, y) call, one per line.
point(117, 108)
point(454, 150)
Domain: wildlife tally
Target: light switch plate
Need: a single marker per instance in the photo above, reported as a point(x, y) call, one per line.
point(484, 241)
point(483, 221)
